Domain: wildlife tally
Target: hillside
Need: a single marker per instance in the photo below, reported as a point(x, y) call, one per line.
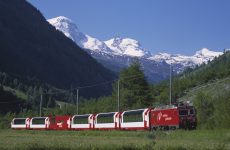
point(213, 88)
point(212, 102)
point(217, 69)
point(32, 48)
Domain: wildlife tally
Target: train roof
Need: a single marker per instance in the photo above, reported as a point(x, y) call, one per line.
point(165, 107)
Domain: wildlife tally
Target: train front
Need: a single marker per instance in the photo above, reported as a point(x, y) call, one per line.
point(187, 114)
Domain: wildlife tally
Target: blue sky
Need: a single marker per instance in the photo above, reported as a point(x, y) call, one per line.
point(173, 26)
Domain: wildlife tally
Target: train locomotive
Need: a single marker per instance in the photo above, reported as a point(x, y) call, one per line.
point(162, 117)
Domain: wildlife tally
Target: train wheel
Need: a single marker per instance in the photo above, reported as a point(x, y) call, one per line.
point(166, 128)
point(172, 128)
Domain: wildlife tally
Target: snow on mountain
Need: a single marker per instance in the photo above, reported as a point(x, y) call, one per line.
point(71, 30)
point(95, 45)
point(118, 53)
point(206, 53)
point(127, 46)
point(66, 26)
point(115, 46)
point(202, 56)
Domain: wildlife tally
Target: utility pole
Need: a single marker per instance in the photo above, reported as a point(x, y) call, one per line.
point(71, 95)
point(77, 101)
point(118, 95)
point(170, 84)
point(41, 106)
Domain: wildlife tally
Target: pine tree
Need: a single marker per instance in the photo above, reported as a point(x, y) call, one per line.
point(134, 88)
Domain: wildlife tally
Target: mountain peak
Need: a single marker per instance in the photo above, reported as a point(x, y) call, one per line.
point(70, 29)
point(63, 24)
point(116, 41)
point(116, 46)
point(204, 52)
point(120, 46)
point(59, 19)
point(126, 46)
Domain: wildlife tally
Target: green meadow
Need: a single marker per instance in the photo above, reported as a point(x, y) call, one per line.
point(127, 140)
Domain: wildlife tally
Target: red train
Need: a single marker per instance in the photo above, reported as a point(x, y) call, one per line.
point(161, 117)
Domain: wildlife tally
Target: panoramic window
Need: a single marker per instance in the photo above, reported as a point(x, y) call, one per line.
point(81, 119)
point(105, 118)
point(19, 121)
point(38, 121)
point(133, 116)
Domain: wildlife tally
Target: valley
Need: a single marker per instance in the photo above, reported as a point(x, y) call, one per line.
point(49, 67)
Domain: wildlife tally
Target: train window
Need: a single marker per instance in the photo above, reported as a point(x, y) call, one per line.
point(105, 118)
point(19, 121)
point(191, 112)
point(183, 112)
point(38, 120)
point(81, 119)
point(133, 116)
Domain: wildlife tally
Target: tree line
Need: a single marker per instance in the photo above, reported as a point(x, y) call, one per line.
point(134, 92)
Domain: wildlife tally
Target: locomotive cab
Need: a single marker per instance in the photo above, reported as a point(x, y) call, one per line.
point(187, 114)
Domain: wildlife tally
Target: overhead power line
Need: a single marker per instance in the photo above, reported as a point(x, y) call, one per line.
point(107, 82)
point(98, 84)
point(133, 76)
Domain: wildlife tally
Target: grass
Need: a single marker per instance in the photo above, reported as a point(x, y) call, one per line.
point(71, 140)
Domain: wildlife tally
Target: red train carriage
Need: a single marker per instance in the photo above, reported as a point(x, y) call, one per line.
point(59, 122)
point(107, 121)
point(82, 122)
point(135, 119)
point(165, 117)
point(20, 123)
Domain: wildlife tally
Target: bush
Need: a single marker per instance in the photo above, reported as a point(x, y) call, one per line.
point(213, 110)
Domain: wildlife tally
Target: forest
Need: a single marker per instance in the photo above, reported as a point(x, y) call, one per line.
point(134, 92)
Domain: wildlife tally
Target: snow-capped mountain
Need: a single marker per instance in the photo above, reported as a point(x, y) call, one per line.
point(206, 55)
point(181, 62)
point(127, 46)
point(114, 46)
point(70, 29)
point(202, 56)
point(118, 53)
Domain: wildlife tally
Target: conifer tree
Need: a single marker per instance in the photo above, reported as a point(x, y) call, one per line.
point(134, 88)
